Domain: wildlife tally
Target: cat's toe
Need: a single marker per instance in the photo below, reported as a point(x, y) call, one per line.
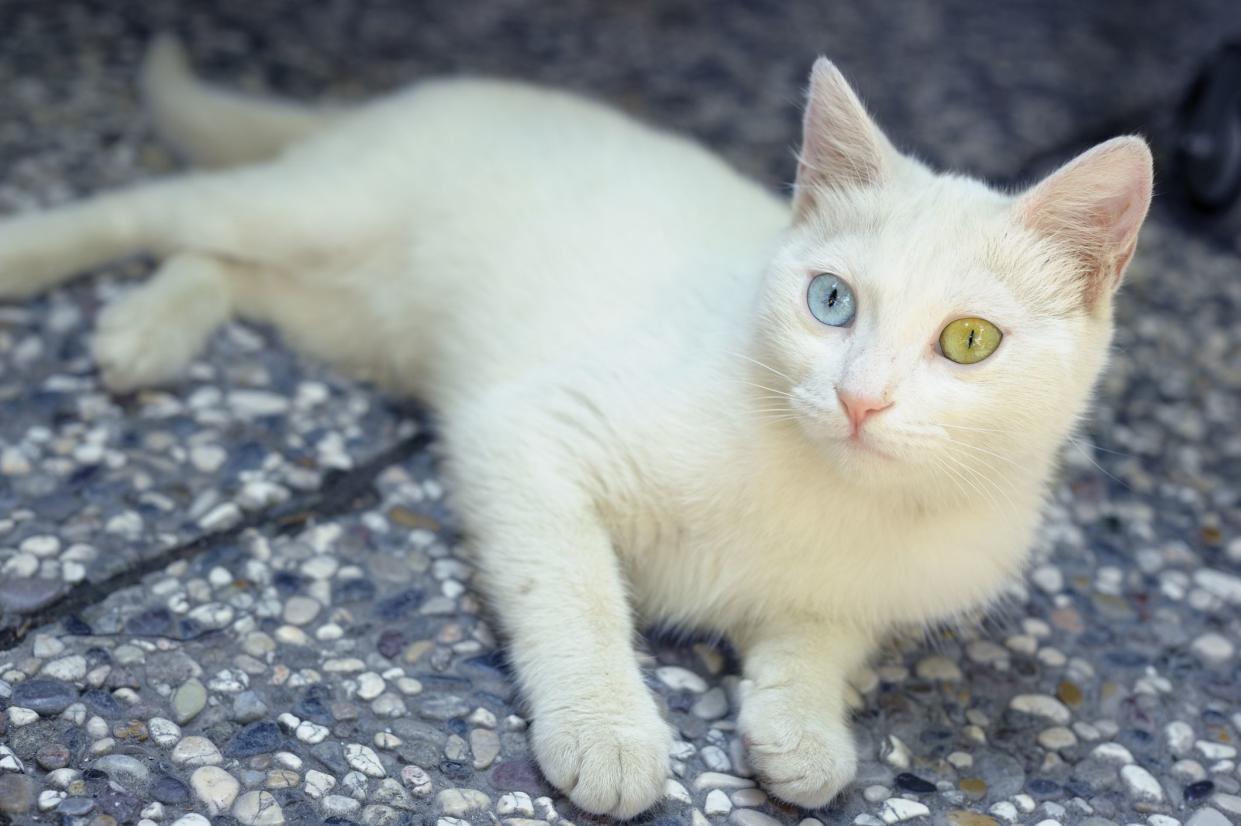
point(608, 763)
point(801, 760)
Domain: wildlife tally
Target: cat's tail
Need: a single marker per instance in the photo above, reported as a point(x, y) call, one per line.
point(216, 127)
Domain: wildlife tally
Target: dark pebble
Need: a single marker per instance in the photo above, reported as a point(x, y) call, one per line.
point(257, 738)
point(315, 705)
point(331, 754)
point(52, 756)
point(1199, 791)
point(16, 794)
point(518, 776)
point(76, 627)
point(398, 606)
point(1041, 787)
point(354, 591)
point(76, 806)
point(455, 771)
point(391, 643)
point(45, 696)
point(122, 805)
point(155, 622)
point(170, 790)
point(21, 596)
point(907, 782)
point(102, 703)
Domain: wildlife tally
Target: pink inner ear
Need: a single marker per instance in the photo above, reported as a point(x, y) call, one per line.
point(841, 145)
point(1096, 204)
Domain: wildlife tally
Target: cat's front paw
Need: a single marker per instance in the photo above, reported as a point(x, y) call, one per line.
point(609, 761)
point(802, 757)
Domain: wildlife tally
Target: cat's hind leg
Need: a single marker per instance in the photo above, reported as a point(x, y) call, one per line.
point(149, 335)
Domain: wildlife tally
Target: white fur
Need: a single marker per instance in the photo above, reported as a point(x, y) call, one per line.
point(638, 410)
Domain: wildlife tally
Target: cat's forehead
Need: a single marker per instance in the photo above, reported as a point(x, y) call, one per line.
point(939, 239)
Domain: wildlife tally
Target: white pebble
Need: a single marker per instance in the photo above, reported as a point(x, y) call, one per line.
point(681, 679)
point(717, 803)
point(1041, 705)
point(898, 809)
point(1141, 783)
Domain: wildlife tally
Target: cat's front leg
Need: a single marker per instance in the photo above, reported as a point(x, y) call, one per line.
point(794, 718)
point(554, 580)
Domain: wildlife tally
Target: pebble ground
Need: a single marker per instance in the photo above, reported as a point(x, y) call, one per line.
point(240, 599)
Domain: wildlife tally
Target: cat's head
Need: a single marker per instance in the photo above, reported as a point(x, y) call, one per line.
point(920, 326)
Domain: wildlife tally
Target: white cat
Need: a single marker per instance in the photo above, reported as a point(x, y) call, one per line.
point(665, 393)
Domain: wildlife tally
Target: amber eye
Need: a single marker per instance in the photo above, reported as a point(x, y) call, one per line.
point(969, 340)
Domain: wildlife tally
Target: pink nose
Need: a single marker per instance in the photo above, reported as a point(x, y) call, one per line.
point(860, 408)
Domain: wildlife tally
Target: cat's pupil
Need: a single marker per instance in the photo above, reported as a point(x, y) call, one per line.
point(970, 343)
point(831, 299)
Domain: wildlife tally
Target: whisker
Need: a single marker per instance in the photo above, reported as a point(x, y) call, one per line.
point(770, 389)
point(765, 366)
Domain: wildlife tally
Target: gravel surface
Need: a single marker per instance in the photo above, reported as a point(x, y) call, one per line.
point(240, 599)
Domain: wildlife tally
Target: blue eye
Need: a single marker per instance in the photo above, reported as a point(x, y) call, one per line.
point(831, 300)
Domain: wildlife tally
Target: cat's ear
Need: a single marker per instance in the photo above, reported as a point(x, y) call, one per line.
point(841, 145)
point(1095, 205)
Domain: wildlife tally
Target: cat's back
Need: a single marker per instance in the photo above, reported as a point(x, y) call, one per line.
point(534, 224)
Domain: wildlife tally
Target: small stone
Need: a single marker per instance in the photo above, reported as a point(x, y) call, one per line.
point(337, 805)
point(19, 717)
point(192, 819)
point(309, 732)
point(681, 679)
point(258, 809)
point(939, 669)
point(718, 780)
point(485, 746)
point(17, 794)
point(282, 779)
point(128, 771)
point(973, 786)
point(391, 793)
point(717, 803)
point(418, 781)
point(897, 753)
point(749, 797)
point(518, 803)
point(52, 756)
point(963, 817)
point(370, 686)
point(1213, 649)
point(71, 669)
point(1230, 803)
point(49, 799)
point(712, 705)
point(907, 782)
point(1207, 817)
point(318, 784)
point(1112, 753)
point(1041, 705)
point(248, 707)
point(300, 610)
point(189, 699)
point(460, 802)
point(196, 751)
point(163, 731)
point(363, 759)
point(1215, 751)
point(45, 696)
point(216, 788)
point(752, 817)
point(262, 737)
point(1069, 693)
point(1141, 784)
point(898, 809)
point(1056, 738)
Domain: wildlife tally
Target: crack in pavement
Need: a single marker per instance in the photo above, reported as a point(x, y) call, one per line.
point(339, 493)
